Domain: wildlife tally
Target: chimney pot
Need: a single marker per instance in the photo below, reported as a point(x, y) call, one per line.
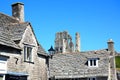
point(110, 45)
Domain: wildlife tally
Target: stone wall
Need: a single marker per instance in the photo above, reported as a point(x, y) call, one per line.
point(64, 43)
point(36, 69)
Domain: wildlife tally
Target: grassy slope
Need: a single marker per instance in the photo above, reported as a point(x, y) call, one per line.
point(117, 60)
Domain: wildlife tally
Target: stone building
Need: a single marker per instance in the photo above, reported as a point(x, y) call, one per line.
point(64, 44)
point(65, 64)
point(21, 56)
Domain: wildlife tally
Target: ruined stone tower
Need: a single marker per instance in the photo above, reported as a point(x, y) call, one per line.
point(18, 11)
point(77, 45)
point(64, 44)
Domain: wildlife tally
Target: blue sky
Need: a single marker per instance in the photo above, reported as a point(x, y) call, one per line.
point(95, 20)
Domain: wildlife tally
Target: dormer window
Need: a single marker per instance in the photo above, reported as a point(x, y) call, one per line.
point(28, 53)
point(93, 62)
point(93, 78)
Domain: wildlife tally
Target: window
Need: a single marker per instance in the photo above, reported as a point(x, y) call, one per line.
point(92, 79)
point(56, 49)
point(61, 49)
point(93, 62)
point(3, 65)
point(28, 53)
point(1, 77)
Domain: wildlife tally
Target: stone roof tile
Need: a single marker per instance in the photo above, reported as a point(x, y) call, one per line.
point(12, 30)
point(5, 39)
point(17, 30)
point(5, 19)
point(73, 65)
point(41, 51)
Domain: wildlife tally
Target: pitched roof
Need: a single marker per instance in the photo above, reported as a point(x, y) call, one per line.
point(41, 51)
point(12, 25)
point(5, 19)
point(51, 49)
point(6, 34)
point(17, 30)
point(12, 30)
point(5, 40)
point(73, 65)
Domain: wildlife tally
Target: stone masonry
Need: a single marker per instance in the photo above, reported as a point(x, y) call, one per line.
point(18, 11)
point(64, 44)
point(15, 36)
point(77, 45)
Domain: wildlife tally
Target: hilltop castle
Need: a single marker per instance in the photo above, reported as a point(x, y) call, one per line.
point(64, 44)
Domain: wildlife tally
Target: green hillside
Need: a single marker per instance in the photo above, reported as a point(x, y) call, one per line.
point(117, 60)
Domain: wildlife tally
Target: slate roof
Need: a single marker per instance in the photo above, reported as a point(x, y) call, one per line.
point(73, 65)
point(6, 41)
point(5, 19)
point(41, 51)
point(17, 30)
point(12, 30)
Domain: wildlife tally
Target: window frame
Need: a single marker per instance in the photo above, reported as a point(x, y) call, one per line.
point(3, 64)
point(26, 53)
point(92, 78)
point(93, 62)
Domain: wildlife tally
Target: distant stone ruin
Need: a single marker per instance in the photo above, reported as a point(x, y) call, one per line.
point(64, 43)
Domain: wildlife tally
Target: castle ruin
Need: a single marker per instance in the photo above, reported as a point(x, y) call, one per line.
point(64, 43)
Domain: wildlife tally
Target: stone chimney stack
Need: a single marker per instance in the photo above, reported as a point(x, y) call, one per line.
point(18, 11)
point(112, 64)
point(77, 45)
point(110, 45)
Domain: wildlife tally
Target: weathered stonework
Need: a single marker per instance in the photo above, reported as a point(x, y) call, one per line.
point(74, 65)
point(64, 44)
point(77, 45)
point(112, 65)
point(18, 11)
point(78, 65)
point(37, 69)
point(14, 36)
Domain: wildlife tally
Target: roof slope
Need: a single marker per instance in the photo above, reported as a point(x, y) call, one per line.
point(73, 65)
point(17, 30)
point(41, 51)
point(12, 30)
point(5, 40)
point(5, 19)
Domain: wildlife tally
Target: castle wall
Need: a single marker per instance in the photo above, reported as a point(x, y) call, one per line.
point(63, 42)
point(77, 45)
